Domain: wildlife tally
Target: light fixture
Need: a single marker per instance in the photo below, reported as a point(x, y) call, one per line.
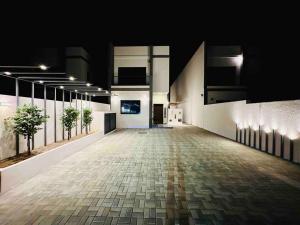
point(86, 93)
point(61, 87)
point(88, 84)
point(7, 73)
point(99, 89)
point(94, 95)
point(41, 82)
point(239, 60)
point(76, 90)
point(71, 78)
point(43, 67)
point(106, 92)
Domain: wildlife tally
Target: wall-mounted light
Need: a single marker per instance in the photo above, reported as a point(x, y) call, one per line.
point(41, 82)
point(76, 90)
point(99, 89)
point(43, 67)
point(61, 87)
point(267, 131)
point(7, 73)
point(86, 93)
point(282, 134)
point(71, 78)
point(239, 60)
point(88, 84)
point(94, 95)
point(107, 92)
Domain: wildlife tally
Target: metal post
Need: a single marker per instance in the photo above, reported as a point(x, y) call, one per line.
point(249, 137)
point(70, 98)
point(17, 104)
point(245, 133)
point(32, 103)
point(63, 107)
point(236, 132)
point(282, 146)
point(45, 114)
point(76, 109)
point(273, 142)
point(90, 109)
point(241, 130)
point(254, 139)
point(291, 150)
point(267, 143)
point(259, 138)
point(81, 113)
point(54, 114)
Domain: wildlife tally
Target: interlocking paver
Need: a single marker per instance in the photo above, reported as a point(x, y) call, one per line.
point(183, 175)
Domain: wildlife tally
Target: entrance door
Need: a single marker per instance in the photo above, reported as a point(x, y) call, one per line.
point(158, 116)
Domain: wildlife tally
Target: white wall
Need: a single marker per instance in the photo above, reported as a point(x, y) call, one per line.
point(7, 140)
point(135, 120)
point(222, 118)
point(189, 88)
point(161, 75)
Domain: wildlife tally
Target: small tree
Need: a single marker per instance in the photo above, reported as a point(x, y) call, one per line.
point(26, 122)
point(69, 119)
point(87, 119)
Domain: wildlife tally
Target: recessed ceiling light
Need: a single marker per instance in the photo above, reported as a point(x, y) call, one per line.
point(88, 84)
point(106, 92)
point(99, 89)
point(43, 67)
point(41, 82)
point(61, 87)
point(7, 73)
point(71, 78)
point(75, 90)
point(86, 93)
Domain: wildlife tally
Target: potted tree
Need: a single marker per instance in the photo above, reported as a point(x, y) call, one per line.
point(69, 119)
point(87, 119)
point(26, 122)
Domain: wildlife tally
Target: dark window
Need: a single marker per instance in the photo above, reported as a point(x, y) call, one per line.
point(132, 75)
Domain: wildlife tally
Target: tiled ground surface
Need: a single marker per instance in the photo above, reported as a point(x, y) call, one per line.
point(160, 176)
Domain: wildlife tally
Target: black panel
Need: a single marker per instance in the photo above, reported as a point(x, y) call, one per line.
point(132, 75)
point(221, 76)
point(109, 122)
point(130, 106)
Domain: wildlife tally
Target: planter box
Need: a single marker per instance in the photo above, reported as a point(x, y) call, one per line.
point(20, 172)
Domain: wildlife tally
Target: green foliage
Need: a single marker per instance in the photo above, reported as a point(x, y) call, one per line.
point(69, 119)
point(87, 118)
point(27, 121)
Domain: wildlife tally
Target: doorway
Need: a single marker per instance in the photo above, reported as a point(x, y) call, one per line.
point(158, 113)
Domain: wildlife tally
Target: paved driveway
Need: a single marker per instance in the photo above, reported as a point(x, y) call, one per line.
point(160, 176)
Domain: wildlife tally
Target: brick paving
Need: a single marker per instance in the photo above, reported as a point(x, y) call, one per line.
point(183, 176)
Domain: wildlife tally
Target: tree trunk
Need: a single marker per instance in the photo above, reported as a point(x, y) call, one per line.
point(86, 129)
point(69, 134)
point(28, 145)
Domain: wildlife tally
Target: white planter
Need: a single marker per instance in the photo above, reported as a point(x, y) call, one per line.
point(20, 172)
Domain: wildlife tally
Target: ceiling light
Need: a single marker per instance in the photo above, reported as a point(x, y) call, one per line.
point(106, 92)
point(71, 78)
point(43, 67)
point(99, 89)
point(88, 84)
point(61, 87)
point(7, 73)
point(40, 81)
point(75, 90)
point(86, 93)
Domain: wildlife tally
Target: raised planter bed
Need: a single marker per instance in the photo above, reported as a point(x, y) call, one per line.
point(20, 172)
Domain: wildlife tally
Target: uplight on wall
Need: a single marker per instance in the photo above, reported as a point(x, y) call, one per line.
point(239, 60)
point(43, 67)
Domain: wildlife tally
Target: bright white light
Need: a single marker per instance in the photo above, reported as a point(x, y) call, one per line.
point(61, 87)
point(282, 132)
point(94, 95)
point(76, 90)
point(107, 92)
point(239, 60)
point(88, 84)
point(255, 127)
point(99, 89)
point(71, 78)
point(41, 82)
point(43, 67)
point(7, 73)
point(267, 130)
point(86, 93)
